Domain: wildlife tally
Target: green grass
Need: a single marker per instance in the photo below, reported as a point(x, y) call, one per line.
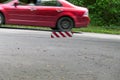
point(93, 29)
point(96, 29)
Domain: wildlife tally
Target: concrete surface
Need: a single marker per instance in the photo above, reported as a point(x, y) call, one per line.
point(33, 55)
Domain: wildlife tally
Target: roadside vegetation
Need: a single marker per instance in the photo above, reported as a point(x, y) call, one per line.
point(104, 14)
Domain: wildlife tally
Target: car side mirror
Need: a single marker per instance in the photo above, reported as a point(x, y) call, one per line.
point(16, 4)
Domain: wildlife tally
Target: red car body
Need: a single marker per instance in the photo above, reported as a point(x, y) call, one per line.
point(40, 15)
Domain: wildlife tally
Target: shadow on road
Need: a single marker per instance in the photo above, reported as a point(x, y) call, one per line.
point(25, 28)
point(32, 28)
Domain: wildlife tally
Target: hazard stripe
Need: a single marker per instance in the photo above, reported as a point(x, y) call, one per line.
point(61, 34)
point(69, 34)
point(52, 36)
point(56, 34)
point(65, 34)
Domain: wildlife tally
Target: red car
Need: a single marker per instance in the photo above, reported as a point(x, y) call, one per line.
point(56, 14)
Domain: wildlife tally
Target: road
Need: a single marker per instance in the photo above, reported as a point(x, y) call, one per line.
point(33, 55)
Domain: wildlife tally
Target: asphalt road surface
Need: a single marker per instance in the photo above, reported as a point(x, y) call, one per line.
point(33, 55)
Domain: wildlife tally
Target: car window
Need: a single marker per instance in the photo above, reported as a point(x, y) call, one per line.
point(4, 1)
point(48, 3)
point(23, 2)
point(27, 2)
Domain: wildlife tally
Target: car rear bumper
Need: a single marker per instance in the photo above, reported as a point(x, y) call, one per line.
point(82, 22)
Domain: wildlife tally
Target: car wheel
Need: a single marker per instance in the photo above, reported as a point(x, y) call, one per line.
point(1, 19)
point(65, 24)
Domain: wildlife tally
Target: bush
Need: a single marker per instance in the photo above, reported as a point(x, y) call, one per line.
point(102, 12)
point(108, 11)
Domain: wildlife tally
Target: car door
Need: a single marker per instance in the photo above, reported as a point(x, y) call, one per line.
point(21, 14)
point(47, 13)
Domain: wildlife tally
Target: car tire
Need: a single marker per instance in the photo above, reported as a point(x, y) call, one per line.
point(65, 24)
point(2, 20)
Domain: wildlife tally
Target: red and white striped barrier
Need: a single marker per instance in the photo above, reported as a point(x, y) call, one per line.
point(61, 34)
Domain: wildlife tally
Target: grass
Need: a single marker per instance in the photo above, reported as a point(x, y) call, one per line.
point(93, 29)
point(98, 29)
